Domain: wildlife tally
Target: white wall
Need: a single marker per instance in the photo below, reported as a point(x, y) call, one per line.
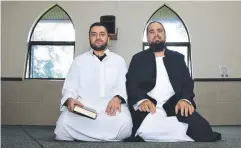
point(214, 29)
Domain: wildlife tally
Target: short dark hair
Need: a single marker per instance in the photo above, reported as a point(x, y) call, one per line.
point(98, 24)
point(153, 23)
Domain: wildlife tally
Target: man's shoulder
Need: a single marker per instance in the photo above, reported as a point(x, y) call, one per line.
point(82, 56)
point(141, 54)
point(116, 56)
point(173, 53)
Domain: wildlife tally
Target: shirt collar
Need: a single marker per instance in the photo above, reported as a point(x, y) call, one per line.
point(164, 53)
point(107, 52)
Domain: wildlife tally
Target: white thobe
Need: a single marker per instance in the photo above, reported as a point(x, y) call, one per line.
point(95, 83)
point(158, 127)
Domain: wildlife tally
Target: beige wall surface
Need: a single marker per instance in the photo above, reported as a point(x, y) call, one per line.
point(214, 29)
point(37, 102)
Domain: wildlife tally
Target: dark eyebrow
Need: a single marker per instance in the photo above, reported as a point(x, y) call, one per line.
point(151, 30)
point(160, 29)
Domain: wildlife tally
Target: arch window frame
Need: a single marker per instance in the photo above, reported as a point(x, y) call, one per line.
point(29, 59)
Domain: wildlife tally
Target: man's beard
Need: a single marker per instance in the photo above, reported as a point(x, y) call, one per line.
point(98, 48)
point(157, 46)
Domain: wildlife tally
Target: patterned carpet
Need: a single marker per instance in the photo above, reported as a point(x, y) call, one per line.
point(43, 137)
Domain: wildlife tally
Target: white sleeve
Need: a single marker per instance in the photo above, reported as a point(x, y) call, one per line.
point(138, 103)
point(70, 84)
point(187, 101)
point(121, 86)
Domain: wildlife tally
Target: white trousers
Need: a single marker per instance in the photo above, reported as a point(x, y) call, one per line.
point(71, 127)
point(158, 127)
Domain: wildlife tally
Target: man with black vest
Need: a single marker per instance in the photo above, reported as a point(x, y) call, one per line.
point(160, 95)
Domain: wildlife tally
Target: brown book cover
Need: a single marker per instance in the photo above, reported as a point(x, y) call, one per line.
point(86, 112)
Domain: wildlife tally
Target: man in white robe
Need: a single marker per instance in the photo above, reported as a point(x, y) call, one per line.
point(96, 79)
point(160, 95)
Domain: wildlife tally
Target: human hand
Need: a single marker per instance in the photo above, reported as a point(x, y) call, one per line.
point(147, 106)
point(71, 104)
point(185, 107)
point(113, 106)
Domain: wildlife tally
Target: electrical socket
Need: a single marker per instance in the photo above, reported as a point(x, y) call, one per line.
point(223, 71)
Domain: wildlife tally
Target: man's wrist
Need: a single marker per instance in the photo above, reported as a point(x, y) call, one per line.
point(186, 100)
point(120, 99)
point(67, 101)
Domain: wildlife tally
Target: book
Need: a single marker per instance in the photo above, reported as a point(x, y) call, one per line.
point(86, 112)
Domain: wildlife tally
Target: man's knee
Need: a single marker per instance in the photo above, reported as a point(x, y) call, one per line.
point(199, 128)
point(126, 128)
point(124, 132)
point(61, 130)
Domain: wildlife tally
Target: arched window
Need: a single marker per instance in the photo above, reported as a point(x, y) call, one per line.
point(176, 32)
point(51, 45)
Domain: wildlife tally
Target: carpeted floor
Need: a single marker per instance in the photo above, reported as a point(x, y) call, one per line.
point(43, 137)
